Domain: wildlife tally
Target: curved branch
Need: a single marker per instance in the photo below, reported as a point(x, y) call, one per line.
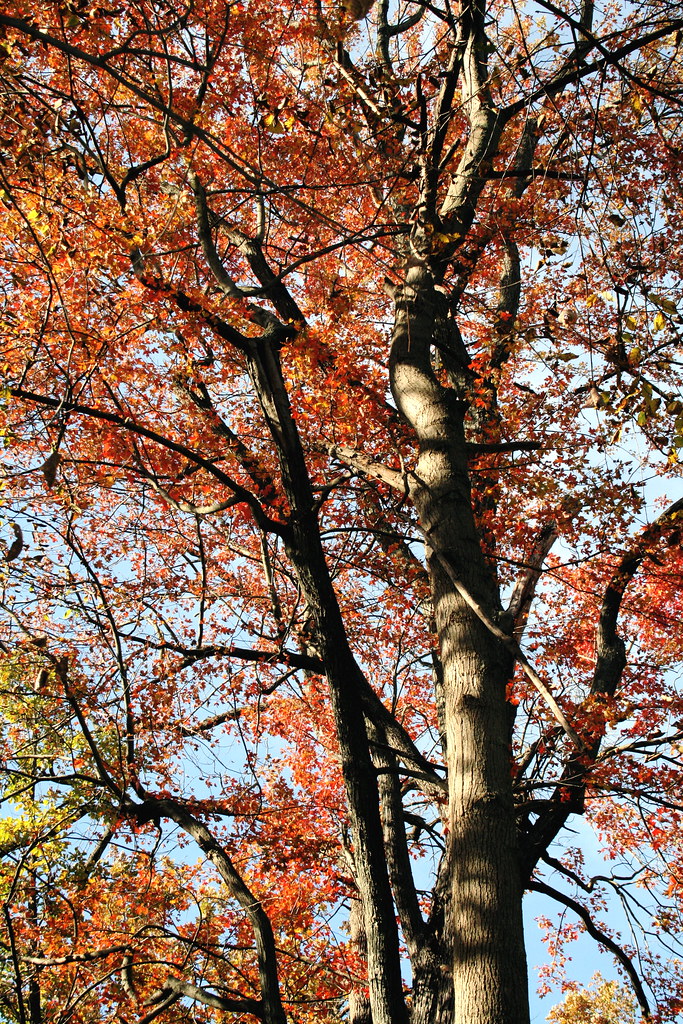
point(568, 797)
point(272, 1011)
point(241, 493)
point(272, 286)
point(177, 988)
point(597, 934)
point(611, 659)
point(270, 323)
point(385, 31)
point(191, 655)
point(222, 277)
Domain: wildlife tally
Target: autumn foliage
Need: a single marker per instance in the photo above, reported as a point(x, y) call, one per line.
point(342, 427)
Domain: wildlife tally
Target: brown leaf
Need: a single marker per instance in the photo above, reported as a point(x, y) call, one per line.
point(49, 467)
point(357, 9)
point(596, 399)
point(17, 545)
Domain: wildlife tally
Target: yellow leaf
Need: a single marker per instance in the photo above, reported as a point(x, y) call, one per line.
point(659, 322)
point(445, 239)
point(661, 300)
point(273, 124)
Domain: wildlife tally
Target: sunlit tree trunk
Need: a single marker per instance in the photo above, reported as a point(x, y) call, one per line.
point(488, 958)
point(359, 1001)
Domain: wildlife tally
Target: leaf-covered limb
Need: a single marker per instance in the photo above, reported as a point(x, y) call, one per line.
point(240, 493)
point(581, 70)
point(607, 676)
point(271, 284)
point(75, 958)
point(149, 96)
point(273, 1011)
point(611, 656)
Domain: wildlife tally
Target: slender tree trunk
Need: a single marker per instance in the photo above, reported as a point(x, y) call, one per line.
point(35, 1009)
point(432, 970)
point(359, 999)
point(305, 549)
point(486, 934)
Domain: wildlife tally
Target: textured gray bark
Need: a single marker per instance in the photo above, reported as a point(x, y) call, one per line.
point(485, 916)
point(359, 1001)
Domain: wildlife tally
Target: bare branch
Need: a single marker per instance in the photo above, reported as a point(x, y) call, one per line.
point(600, 936)
point(369, 467)
point(177, 988)
point(513, 647)
point(525, 588)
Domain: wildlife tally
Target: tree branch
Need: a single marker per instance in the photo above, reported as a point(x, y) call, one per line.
point(179, 988)
point(369, 467)
point(398, 856)
point(600, 936)
point(241, 493)
point(569, 794)
point(525, 588)
point(515, 650)
point(611, 659)
point(271, 1002)
point(559, 84)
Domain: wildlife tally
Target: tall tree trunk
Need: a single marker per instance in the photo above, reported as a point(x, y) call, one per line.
point(305, 549)
point(489, 963)
point(359, 1000)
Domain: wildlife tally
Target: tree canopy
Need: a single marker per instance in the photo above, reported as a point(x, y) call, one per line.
point(602, 1002)
point(342, 427)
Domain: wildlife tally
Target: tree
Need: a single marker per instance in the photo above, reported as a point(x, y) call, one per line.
point(603, 1002)
point(341, 351)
